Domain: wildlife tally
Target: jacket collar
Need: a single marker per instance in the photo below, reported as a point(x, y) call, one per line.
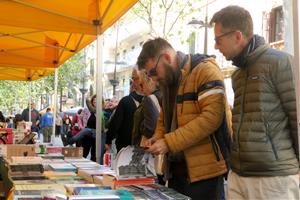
point(252, 57)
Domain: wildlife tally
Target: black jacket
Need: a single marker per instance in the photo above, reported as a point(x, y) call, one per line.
point(122, 122)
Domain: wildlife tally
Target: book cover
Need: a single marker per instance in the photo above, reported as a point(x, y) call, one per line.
point(59, 173)
point(89, 174)
point(134, 162)
point(62, 167)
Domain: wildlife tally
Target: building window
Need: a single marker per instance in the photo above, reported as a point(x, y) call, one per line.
point(276, 31)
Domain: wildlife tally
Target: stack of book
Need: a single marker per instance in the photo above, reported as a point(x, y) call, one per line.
point(62, 167)
point(92, 191)
point(25, 168)
point(90, 174)
point(154, 191)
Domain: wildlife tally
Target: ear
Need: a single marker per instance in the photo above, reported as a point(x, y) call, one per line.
point(167, 57)
point(239, 36)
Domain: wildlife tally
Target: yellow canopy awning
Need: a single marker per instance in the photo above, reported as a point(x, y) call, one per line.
point(38, 36)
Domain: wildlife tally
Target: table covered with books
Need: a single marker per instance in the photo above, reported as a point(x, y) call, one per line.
point(49, 172)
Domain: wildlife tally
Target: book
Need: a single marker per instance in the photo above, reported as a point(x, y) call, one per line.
point(88, 174)
point(87, 165)
point(72, 160)
point(6, 135)
point(59, 174)
point(62, 167)
point(105, 194)
point(84, 189)
point(52, 156)
point(54, 149)
point(156, 191)
point(25, 160)
point(134, 162)
point(53, 187)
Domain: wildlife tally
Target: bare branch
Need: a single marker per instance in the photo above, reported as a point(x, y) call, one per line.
point(164, 3)
point(143, 5)
point(176, 19)
point(141, 16)
point(168, 8)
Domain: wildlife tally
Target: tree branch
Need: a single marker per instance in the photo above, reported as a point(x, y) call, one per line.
point(176, 19)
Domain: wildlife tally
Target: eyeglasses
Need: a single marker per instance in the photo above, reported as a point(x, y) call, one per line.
point(152, 71)
point(217, 39)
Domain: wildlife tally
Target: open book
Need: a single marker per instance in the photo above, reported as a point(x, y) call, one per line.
point(134, 162)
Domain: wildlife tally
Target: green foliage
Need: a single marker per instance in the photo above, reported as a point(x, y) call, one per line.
point(15, 94)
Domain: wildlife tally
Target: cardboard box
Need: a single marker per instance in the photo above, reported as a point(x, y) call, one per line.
point(72, 152)
point(17, 150)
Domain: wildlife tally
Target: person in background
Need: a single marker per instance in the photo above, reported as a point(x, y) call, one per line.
point(17, 119)
point(264, 154)
point(88, 133)
point(47, 125)
point(76, 127)
point(9, 122)
point(146, 115)
point(2, 121)
point(193, 109)
point(35, 117)
point(58, 124)
point(120, 127)
point(66, 124)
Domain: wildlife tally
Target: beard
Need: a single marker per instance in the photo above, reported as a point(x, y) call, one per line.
point(172, 76)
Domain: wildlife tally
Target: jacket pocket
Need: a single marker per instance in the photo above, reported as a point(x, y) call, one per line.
point(270, 139)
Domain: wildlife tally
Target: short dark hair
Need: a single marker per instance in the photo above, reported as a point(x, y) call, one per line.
point(152, 49)
point(234, 18)
point(48, 109)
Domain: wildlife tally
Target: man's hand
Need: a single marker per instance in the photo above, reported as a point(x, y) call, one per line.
point(159, 147)
point(149, 142)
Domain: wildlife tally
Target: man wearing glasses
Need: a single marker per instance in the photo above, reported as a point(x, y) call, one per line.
point(265, 148)
point(193, 107)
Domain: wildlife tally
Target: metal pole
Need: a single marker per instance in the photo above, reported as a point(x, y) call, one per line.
point(296, 23)
point(54, 102)
point(60, 100)
point(30, 100)
point(116, 60)
point(205, 36)
point(99, 60)
point(82, 99)
point(205, 30)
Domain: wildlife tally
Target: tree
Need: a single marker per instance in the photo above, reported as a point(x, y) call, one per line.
point(15, 94)
point(169, 16)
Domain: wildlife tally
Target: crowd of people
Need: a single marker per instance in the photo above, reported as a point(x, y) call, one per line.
point(177, 107)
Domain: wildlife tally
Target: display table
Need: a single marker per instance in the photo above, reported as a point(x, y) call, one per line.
point(47, 177)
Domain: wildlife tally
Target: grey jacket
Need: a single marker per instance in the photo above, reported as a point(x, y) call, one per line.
point(265, 141)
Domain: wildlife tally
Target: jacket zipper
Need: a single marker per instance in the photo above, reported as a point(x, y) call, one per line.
point(241, 118)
